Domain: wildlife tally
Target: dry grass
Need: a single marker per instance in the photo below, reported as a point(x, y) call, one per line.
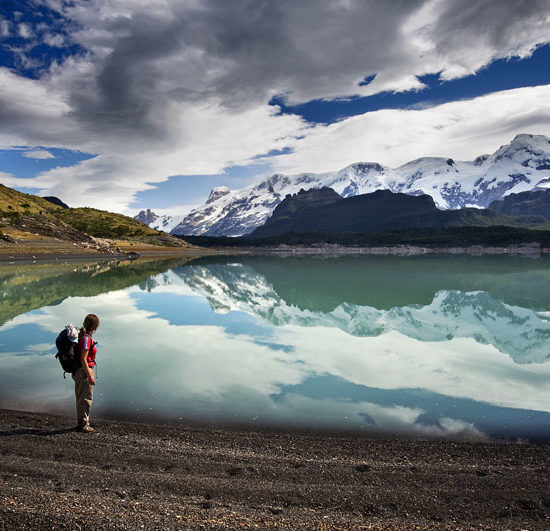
point(18, 209)
point(14, 202)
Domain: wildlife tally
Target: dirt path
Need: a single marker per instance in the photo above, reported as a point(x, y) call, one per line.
point(132, 476)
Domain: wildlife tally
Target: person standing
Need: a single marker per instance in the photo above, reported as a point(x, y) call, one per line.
point(83, 377)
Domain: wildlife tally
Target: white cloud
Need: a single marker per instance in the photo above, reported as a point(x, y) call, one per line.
point(7, 178)
point(169, 88)
point(203, 140)
point(40, 154)
point(24, 31)
point(5, 28)
point(461, 130)
point(55, 40)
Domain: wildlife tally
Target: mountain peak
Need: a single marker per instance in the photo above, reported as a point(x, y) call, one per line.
point(217, 192)
point(324, 211)
point(529, 150)
point(146, 216)
point(302, 200)
point(525, 138)
point(366, 167)
point(521, 165)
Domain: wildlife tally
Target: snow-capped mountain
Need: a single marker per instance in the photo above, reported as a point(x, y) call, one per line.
point(520, 166)
point(165, 223)
point(216, 193)
point(523, 165)
point(147, 216)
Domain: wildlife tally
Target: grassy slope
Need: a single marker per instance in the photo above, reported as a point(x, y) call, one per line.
point(13, 203)
point(97, 223)
point(103, 224)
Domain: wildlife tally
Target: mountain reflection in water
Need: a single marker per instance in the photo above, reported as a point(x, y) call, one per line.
point(427, 345)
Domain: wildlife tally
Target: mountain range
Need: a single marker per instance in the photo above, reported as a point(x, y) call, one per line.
point(322, 210)
point(535, 203)
point(521, 166)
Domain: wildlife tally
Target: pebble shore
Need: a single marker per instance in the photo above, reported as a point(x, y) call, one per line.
point(175, 476)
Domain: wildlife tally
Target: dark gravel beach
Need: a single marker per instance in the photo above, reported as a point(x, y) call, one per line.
point(131, 476)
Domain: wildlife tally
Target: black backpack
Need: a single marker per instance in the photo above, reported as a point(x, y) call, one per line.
point(67, 353)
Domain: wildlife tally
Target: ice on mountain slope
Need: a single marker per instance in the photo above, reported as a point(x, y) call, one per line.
point(516, 167)
point(519, 332)
point(520, 166)
point(168, 223)
point(165, 223)
point(241, 211)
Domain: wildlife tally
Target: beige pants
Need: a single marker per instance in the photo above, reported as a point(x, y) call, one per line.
point(84, 393)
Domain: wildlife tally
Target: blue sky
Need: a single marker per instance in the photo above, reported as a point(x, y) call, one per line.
point(501, 74)
point(151, 106)
point(49, 29)
point(26, 163)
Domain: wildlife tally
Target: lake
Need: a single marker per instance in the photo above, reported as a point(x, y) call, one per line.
point(451, 346)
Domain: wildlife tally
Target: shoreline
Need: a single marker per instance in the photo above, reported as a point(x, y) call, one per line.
point(128, 475)
point(525, 250)
point(129, 255)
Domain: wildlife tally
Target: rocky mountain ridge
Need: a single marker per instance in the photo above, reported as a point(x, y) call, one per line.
point(165, 223)
point(534, 203)
point(324, 211)
point(523, 165)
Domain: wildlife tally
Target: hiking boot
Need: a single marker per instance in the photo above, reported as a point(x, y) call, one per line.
point(84, 429)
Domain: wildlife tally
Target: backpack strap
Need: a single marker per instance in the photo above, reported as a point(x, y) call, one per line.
point(90, 349)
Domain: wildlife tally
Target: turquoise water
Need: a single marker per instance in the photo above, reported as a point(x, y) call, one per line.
point(429, 346)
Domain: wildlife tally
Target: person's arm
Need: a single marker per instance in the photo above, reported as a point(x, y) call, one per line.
point(85, 366)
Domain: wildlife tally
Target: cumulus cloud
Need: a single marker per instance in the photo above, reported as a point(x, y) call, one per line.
point(247, 51)
point(55, 40)
point(5, 28)
point(40, 154)
point(169, 88)
point(24, 31)
point(7, 179)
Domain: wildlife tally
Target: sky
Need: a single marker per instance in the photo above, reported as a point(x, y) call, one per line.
point(131, 104)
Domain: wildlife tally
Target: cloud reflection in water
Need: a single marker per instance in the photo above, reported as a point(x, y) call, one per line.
point(248, 356)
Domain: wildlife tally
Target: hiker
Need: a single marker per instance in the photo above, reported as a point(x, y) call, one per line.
point(83, 377)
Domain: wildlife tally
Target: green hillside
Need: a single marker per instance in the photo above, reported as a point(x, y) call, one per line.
point(379, 211)
point(534, 203)
point(13, 203)
point(103, 224)
point(30, 213)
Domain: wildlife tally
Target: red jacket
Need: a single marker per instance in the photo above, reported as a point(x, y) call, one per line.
point(85, 342)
